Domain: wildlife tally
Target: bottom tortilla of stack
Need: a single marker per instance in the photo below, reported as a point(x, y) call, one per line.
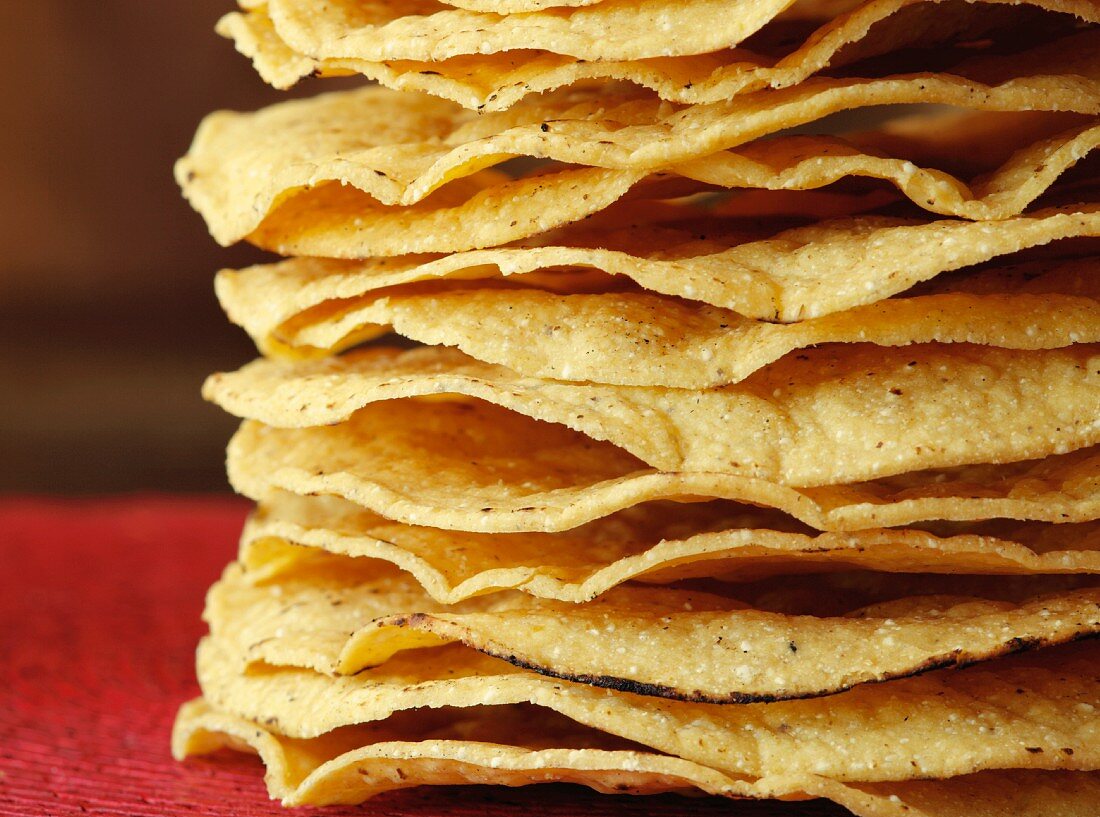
point(482, 746)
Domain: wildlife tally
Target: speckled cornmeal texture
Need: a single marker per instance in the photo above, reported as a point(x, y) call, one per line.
point(732, 653)
point(496, 81)
point(344, 185)
point(790, 423)
point(785, 275)
point(295, 310)
point(734, 459)
point(653, 542)
point(942, 723)
point(477, 467)
point(351, 764)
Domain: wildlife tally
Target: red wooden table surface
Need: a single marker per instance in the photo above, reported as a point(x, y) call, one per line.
point(99, 615)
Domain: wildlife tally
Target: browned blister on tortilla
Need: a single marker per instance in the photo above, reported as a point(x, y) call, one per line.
point(730, 653)
point(1017, 712)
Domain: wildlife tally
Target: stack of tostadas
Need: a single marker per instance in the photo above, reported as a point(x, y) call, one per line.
point(747, 449)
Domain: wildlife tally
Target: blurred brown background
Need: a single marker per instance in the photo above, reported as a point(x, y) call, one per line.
point(108, 321)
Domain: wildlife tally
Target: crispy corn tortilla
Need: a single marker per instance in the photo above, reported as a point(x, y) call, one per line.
point(622, 640)
point(476, 467)
point(654, 542)
point(343, 222)
point(1019, 712)
point(255, 175)
point(829, 415)
point(425, 30)
point(439, 747)
point(643, 339)
point(790, 275)
point(357, 763)
point(936, 642)
point(494, 82)
point(375, 31)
